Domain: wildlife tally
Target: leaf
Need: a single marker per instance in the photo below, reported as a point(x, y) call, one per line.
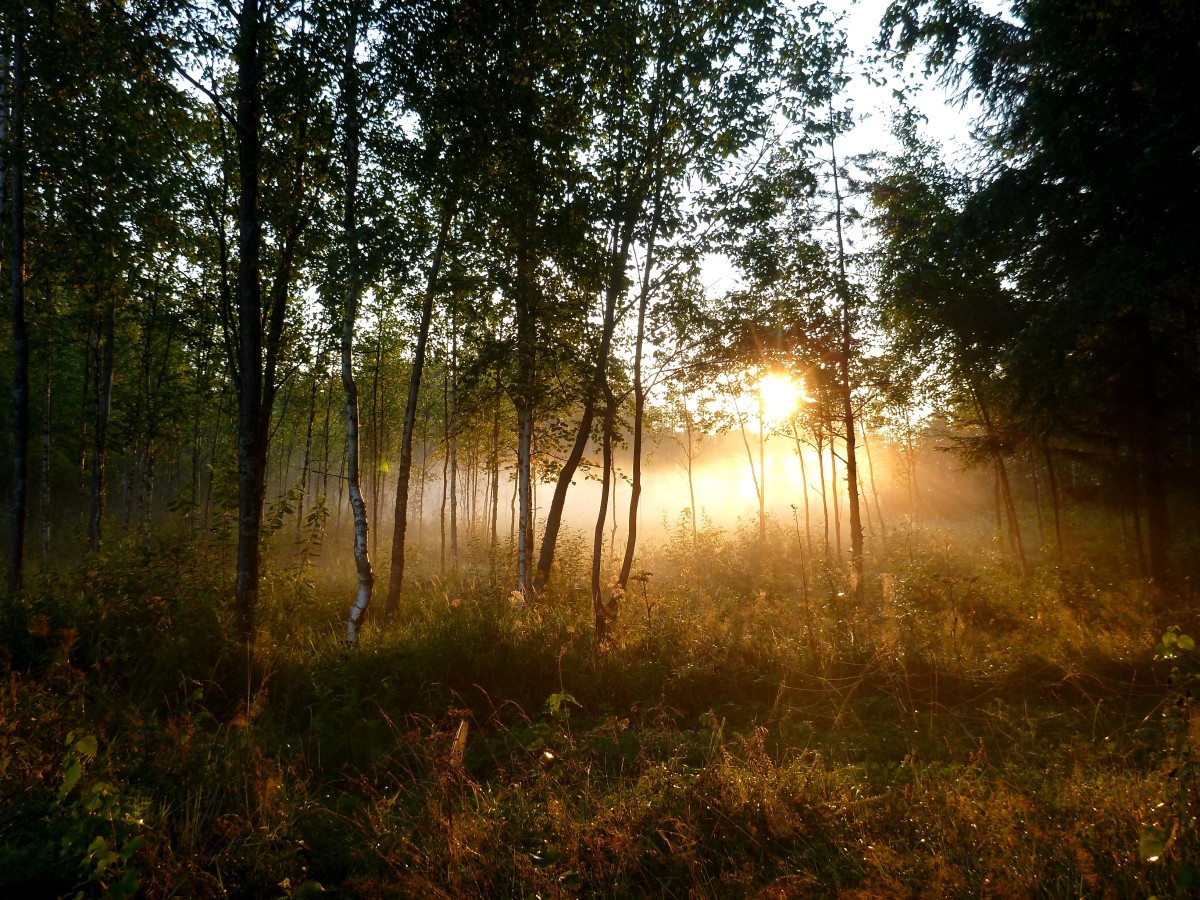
point(70, 778)
point(1169, 638)
point(560, 704)
point(87, 746)
point(124, 889)
point(132, 846)
point(1186, 643)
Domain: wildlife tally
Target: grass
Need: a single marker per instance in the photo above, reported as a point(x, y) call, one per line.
point(966, 733)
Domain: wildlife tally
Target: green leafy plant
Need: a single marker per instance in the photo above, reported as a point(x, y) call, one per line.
point(101, 839)
point(1172, 834)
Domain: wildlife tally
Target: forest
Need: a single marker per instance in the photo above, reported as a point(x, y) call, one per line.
point(587, 448)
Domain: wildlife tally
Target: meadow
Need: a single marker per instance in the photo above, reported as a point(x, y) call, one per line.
point(742, 732)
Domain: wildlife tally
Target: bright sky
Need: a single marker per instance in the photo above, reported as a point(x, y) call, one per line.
point(948, 124)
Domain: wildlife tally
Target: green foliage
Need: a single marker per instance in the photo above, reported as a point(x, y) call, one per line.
point(100, 859)
point(1169, 835)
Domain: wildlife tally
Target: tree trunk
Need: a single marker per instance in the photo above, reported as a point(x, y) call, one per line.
point(599, 612)
point(874, 484)
point(639, 401)
point(20, 333)
point(837, 505)
point(691, 455)
point(400, 526)
point(252, 427)
point(758, 490)
point(1151, 453)
point(762, 474)
point(350, 154)
point(445, 470)
point(46, 448)
point(495, 467)
point(1052, 478)
point(619, 260)
point(376, 433)
point(307, 462)
point(526, 321)
point(452, 440)
point(820, 440)
point(103, 409)
point(1016, 545)
point(1135, 496)
point(856, 529)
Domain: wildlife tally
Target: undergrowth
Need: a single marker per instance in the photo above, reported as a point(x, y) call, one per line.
point(747, 731)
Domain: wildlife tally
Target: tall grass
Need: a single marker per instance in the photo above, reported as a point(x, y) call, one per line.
point(745, 732)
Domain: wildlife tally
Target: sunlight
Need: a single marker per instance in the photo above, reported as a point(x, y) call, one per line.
point(781, 396)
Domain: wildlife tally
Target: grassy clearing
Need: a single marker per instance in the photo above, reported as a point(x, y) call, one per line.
point(745, 734)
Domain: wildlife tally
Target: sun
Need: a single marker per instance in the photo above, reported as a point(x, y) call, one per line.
point(781, 396)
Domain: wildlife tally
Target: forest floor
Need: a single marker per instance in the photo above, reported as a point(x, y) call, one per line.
point(745, 733)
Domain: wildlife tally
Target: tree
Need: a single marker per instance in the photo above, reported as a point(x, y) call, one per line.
point(1091, 203)
point(943, 300)
point(12, 134)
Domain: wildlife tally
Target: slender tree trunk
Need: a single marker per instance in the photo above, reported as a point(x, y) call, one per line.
point(308, 444)
point(612, 535)
point(403, 476)
point(1055, 505)
point(103, 409)
point(691, 455)
point(1005, 491)
point(1135, 496)
point(212, 455)
point(856, 529)
point(1031, 458)
point(619, 260)
point(639, 400)
point(599, 612)
point(20, 334)
point(820, 440)
point(874, 484)
point(526, 316)
point(342, 482)
point(376, 436)
point(350, 159)
point(913, 485)
point(762, 474)
point(452, 440)
point(804, 489)
point(87, 408)
point(495, 466)
point(997, 504)
point(424, 479)
point(1151, 453)
point(837, 505)
point(445, 470)
point(46, 449)
point(325, 430)
point(758, 491)
point(252, 424)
